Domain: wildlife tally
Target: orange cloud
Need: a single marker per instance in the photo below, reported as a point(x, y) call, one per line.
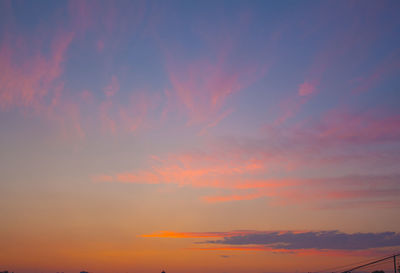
point(173, 234)
point(198, 171)
point(237, 177)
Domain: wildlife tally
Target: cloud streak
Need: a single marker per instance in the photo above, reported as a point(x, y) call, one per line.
point(315, 240)
point(29, 83)
point(245, 169)
point(201, 85)
point(286, 241)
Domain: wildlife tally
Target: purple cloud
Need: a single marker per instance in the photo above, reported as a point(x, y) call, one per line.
point(333, 240)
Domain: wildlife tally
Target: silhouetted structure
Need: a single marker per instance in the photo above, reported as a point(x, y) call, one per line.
point(375, 262)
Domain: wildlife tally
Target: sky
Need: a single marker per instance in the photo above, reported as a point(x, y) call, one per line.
point(198, 136)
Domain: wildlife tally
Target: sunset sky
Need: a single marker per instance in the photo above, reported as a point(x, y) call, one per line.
point(198, 136)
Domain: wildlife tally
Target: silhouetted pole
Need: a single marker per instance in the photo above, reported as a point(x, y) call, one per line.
point(394, 261)
point(374, 262)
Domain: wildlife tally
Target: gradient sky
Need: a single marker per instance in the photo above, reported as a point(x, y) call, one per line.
point(198, 136)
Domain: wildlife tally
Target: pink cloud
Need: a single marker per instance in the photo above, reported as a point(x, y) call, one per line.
point(368, 127)
point(32, 81)
point(337, 47)
point(136, 115)
point(306, 89)
point(320, 193)
point(33, 67)
point(111, 89)
point(216, 121)
point(107, 120)
point(202, 86)
point(128, 116)
point(28, 83)
point(109, 22)
point(236, 197)
point(288, 108)
point(189, 169)
point(86, 96)
point(100, 45)
point(246, 170)
point(70, 120)
point(241, 176)
point(387, 67)
point(324, 141)
point(82, 13)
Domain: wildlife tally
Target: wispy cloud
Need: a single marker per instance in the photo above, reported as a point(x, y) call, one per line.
point(202, 85)
point(34, 81)
point(245, 169)
point(173, 234)
point(241, 181)
point(387, 67)
point(111, 89)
